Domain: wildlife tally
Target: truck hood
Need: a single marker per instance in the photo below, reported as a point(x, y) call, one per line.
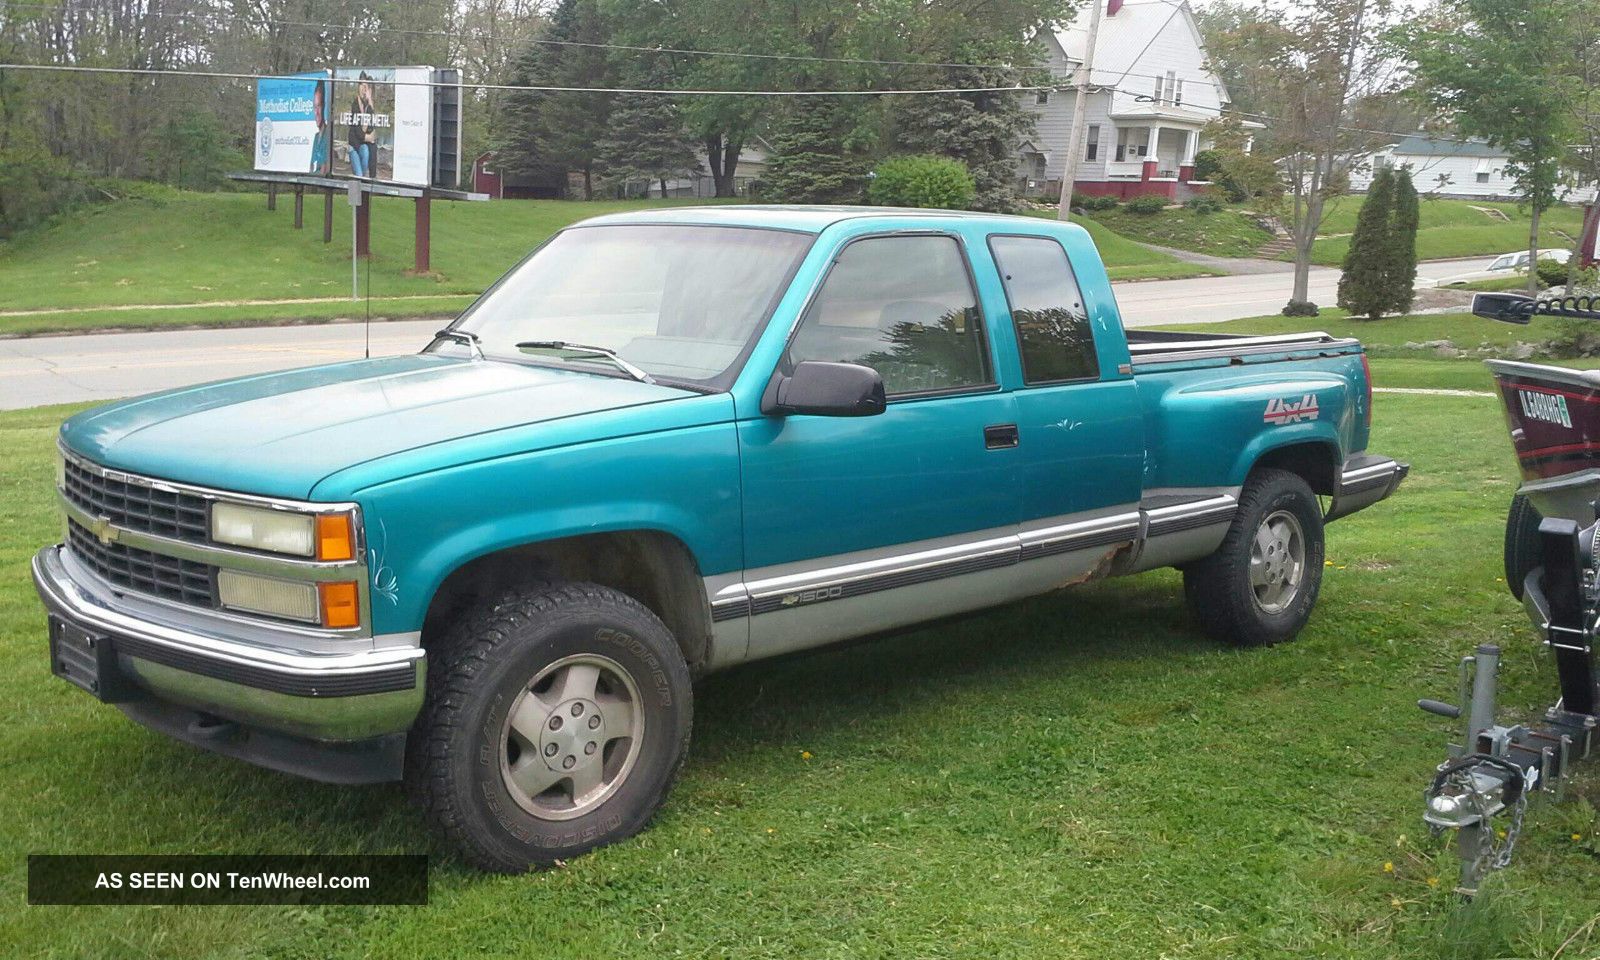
point(279, 434)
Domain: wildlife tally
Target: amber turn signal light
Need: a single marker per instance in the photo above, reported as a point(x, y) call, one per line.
point(341, 604)
point(335, 540)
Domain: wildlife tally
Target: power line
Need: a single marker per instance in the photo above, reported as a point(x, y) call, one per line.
point(476, 35)
point(228, 75)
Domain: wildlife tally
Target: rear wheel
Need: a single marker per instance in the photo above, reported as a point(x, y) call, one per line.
point(1260, 585)
point(1522, 543)
point(556, 720)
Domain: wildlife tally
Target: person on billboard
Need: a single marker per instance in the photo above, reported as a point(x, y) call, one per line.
point(362, 135)
point(323, 142)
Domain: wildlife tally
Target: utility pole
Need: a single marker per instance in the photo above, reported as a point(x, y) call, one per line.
point(1069, 172)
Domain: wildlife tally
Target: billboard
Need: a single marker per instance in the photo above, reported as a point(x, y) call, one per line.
point(293, 123)
point(384, 121)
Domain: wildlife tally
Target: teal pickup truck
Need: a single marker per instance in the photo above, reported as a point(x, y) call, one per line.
point(666, 443)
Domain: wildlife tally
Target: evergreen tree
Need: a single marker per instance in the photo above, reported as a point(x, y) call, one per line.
point(982, 130)
point(545, 135)
point(814, 159)
point(1363, 287)
point(1401, 268)
point(646, 139)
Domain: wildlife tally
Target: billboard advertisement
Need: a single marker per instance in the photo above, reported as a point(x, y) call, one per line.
point(384, 121)
point(294, 123)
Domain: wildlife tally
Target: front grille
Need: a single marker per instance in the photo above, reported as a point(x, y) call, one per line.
point(140, 570)
point(133, 505)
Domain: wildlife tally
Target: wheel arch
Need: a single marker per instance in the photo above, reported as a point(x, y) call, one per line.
point(654, 567)
point(1314, 461)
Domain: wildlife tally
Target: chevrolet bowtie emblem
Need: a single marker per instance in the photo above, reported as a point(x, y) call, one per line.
point(103, 530)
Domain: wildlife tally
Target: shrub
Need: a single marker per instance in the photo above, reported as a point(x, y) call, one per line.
point(922, 181)
point(1089, 201)
point(1147, 204)
point(1204, 204)
point(1301, 308)
point(1208, 165)
point(1550, 272)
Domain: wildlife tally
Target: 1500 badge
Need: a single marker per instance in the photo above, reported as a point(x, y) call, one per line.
point(1280, 412)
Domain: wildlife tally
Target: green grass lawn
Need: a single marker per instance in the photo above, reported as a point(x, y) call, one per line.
point(171, 247)
point(1226, 233)
point(1389, 336)
point(1080, 775)
point(1452, 228)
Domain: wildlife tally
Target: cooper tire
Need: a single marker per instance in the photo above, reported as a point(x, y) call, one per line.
point(1522, 543)
point(556, 719)
point(1258, 588)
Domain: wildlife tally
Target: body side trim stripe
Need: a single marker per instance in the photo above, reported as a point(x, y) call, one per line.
point(984, 551)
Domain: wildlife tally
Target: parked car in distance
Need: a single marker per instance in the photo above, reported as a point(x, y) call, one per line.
point(669, 442)
point(1506, 264)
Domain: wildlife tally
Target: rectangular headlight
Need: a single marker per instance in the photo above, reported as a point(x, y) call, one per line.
point(277, 531)
point(275, 598)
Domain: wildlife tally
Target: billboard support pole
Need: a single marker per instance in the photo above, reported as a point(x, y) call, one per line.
point(299, 206)
point(327, 215)
point(424, 229)
point(272, 196)
point(364, 230)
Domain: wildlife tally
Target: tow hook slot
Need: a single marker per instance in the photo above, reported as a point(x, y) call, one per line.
point(206, 726)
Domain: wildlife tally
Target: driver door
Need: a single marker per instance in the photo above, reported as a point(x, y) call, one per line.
point(860, 524)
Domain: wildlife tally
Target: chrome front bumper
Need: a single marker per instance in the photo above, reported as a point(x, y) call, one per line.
point(361, 691)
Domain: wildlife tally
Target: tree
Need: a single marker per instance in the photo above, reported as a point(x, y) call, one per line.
point(1298, 66)
point(1364, 283)
point(1493, 67)
point(646, 139)
point(1400, 269)
point(982, 130)
point(546, 134)
point(815, 153)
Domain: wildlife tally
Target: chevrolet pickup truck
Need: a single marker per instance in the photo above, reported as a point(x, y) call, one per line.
point(666, 443)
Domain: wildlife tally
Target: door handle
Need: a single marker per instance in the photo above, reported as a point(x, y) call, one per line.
point(1000, 436)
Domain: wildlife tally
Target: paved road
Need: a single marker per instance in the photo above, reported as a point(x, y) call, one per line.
point(44, 370)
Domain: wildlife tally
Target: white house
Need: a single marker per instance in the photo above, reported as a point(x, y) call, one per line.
point(1143, 127)
point(1464, 169)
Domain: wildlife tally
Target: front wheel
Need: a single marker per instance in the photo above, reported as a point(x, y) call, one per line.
point(555, 722)
point(1259, 586)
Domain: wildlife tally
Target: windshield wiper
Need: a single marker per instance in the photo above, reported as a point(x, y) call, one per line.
point(463, 336)
point(608, 354)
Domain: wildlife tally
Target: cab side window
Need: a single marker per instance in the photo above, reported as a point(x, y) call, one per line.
point(903, 306)
point(1053, 330)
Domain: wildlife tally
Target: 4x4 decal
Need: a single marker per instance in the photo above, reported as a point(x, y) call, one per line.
point(1280, 412)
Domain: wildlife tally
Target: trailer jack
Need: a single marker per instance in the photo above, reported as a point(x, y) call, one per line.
point(1482, 790)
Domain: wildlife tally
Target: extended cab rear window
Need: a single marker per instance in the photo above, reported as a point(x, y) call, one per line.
point(1053, 330)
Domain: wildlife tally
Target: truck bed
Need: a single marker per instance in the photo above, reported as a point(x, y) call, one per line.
point(1166, 350)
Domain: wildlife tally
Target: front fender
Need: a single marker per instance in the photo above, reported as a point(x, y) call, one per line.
point(684, 483)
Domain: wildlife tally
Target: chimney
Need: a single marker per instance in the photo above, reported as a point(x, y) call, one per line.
point(1112, 6)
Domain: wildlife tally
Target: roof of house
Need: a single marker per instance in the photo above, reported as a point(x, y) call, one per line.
point(1418, 145)
point(1126, 35)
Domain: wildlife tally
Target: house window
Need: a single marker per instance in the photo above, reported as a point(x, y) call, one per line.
point(1041, 97)
point(1177, 96)
point(1482, 171)
point(1483, 176)
point(1091, 149)
point(1381, 162)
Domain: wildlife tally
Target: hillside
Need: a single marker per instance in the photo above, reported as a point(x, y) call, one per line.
point(127, 263)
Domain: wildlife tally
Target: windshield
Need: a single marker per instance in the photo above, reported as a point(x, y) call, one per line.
point(679, 301)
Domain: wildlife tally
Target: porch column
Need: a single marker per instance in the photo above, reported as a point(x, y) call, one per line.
point(1151, 145)
point(1191, 146)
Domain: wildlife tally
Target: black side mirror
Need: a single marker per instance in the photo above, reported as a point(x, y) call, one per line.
point(1505, 307)
point(823, 389)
